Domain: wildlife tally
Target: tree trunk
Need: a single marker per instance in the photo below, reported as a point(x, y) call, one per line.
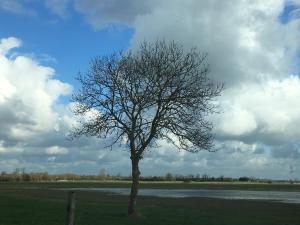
point(134, 187)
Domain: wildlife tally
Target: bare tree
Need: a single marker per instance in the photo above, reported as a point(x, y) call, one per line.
point(159, 91)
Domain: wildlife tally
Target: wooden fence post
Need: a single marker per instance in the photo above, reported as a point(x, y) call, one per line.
point(71, 208)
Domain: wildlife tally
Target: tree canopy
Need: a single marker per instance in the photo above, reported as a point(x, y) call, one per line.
point(157, 91)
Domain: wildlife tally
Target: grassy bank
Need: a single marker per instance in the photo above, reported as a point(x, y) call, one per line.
point(47, 207)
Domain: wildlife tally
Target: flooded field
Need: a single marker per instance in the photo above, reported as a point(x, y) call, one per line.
point(280, 196)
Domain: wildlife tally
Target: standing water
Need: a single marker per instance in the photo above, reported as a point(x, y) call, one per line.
point(280, 196)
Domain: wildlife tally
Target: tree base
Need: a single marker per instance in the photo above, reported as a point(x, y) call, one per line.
point(135, 215)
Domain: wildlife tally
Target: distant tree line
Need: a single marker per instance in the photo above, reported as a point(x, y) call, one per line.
point(23, 176)
point(20, 175)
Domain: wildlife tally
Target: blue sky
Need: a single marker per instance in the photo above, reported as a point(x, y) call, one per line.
point(253, 48)
point(71, 42)
point(288, 12)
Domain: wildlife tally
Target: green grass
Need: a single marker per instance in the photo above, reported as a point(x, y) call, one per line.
point(36, 206)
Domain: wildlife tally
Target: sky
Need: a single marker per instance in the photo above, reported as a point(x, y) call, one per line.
point(253, 48)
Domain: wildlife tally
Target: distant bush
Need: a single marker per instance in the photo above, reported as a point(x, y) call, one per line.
point(244, 179)
point(169, 177)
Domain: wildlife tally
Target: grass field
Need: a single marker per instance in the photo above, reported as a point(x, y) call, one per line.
point(36, 204)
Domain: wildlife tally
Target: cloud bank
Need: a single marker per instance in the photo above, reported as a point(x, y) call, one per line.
point(253, 49)
point(35, 123)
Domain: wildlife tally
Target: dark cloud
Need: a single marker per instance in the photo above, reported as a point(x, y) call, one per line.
point(113, 12)
point(288, 151)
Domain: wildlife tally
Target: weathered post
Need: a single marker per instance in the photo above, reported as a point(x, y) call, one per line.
point(71, 208)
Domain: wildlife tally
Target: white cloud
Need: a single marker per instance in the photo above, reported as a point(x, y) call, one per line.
point(56, 150)
point(29, 91)
point(271, 107)
point(7, 44)
point(236, 121)
point(245, 40)
point(258, 162)
point(58, 7)
point(14, 6)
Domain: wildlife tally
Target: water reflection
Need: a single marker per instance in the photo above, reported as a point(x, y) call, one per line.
point(281, 196)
